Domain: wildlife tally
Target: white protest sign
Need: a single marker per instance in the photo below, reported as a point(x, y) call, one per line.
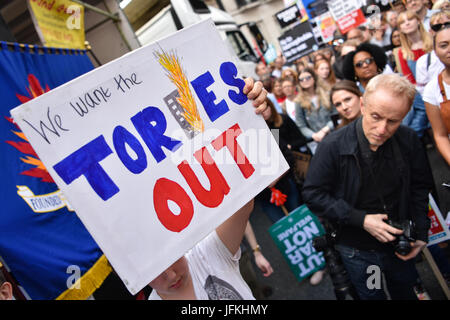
point(150, 174)
point(439, 230)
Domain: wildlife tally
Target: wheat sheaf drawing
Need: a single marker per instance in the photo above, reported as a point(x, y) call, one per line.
point(171, 63)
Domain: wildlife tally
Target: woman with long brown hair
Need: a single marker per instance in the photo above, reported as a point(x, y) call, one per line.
point(346, 98)
point(313, 110)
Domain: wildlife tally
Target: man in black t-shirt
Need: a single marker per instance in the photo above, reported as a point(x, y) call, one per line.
point(370, 171)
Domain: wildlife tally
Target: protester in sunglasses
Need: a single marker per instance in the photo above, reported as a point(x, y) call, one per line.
point(370, 60)
point(313, 110)
point(364, 63)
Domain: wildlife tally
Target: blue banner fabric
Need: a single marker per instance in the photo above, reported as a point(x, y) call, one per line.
point(42, 240)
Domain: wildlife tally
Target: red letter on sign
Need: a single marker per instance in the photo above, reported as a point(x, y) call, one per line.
point(164, 191)
point(228, 139)
point(219, 187)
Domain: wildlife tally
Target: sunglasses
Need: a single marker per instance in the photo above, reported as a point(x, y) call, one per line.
point(305, 78)
point(367, 61)
point(438, 26)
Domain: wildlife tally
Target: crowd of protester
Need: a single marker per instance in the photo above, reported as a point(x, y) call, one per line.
point(323, 92)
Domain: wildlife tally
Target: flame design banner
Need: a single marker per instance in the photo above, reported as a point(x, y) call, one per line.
point(41, 236)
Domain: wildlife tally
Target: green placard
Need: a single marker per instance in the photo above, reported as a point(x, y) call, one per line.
point(293, 236)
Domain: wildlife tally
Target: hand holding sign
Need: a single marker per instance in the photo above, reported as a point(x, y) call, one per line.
point(169, 155)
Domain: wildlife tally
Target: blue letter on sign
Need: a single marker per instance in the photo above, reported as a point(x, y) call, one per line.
point(121, 138)
point(207, 98)
point(228, 72)
point(153, 135)
point(85, 161)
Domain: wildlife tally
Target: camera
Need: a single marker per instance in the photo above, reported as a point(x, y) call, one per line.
point(402, 242)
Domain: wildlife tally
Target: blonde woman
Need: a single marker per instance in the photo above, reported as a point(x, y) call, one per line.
point(313, 108)
point(415, 42)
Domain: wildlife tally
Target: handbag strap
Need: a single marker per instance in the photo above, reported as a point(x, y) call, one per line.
point(441, 86)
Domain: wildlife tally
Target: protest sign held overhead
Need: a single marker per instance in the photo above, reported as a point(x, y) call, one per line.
point(298, 41)
point(155, 149)
point(347, 14)
point(289, 16)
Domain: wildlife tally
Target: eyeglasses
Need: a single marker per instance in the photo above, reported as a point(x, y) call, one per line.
point(438, 26)
point(305, 78)
point(367, 61)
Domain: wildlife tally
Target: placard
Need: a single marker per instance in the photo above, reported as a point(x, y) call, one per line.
point(439, 230)
point(155, 149)
point(347, 14)
point(59, 23)
point(288, 16)
point(298, 41)
point(293, 236)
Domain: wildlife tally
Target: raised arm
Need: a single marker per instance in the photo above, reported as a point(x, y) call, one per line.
point(231, 232)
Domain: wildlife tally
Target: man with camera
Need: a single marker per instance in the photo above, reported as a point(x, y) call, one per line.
point(371, 180)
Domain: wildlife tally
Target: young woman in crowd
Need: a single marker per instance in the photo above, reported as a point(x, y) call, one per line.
point(325, 72)
point(289, 106)
point(415, 42)
point(289, 139)
point(313, 111)
point(345, 97)
point(391, 51)
point(437, 93)
point(277, 90)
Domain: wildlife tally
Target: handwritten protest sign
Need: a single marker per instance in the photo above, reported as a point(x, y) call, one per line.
point(155, 149)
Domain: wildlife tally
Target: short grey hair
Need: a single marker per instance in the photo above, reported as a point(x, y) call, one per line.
point(396, 84)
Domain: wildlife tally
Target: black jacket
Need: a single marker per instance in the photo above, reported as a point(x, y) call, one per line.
point(333, 180)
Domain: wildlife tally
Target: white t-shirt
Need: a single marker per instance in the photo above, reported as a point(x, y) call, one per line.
point(432, 92)
point(423, 75)
point(290, 108)
point(215, 272)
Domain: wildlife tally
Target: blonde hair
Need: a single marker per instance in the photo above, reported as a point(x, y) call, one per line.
point(321, 90)
point(406, 43)
point(396, 84)
point(439, 4)
point(435, 17)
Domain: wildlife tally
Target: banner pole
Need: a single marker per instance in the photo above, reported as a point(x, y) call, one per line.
point(437, 272)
